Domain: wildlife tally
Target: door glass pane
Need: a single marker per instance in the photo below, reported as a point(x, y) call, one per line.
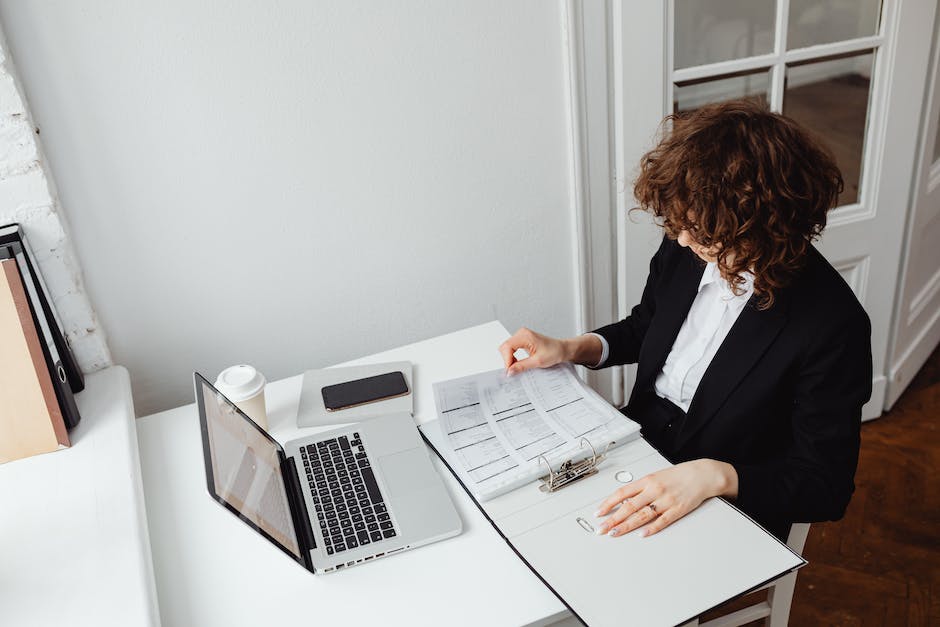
point(708, 31)
point(693, 94)
point(830, 98)
point(813, 22)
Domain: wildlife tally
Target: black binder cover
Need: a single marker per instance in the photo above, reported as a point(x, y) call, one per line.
point(63, 390)
point(14, 234)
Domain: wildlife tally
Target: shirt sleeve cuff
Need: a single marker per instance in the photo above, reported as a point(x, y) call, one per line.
point(605, 351)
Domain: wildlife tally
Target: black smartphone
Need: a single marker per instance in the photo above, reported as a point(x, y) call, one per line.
point(362, 391)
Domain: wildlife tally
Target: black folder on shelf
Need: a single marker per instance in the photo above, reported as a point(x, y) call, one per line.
point(14, 234)
point(51, 354)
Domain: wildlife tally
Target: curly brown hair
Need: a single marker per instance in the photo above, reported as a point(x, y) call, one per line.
point(746, 182)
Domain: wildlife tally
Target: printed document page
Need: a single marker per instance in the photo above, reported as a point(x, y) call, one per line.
point(504, 431)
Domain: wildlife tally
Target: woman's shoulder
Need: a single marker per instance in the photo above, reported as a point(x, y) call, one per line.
point(821, 293)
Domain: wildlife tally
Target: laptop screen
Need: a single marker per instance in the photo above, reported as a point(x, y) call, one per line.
point(243, 468)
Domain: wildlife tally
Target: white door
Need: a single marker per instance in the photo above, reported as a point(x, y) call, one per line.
point(917, 315)
point(853, 71)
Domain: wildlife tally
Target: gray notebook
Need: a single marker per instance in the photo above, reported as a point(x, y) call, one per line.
point(312, 413)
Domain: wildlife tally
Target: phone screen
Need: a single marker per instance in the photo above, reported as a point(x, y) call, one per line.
point(362, 391)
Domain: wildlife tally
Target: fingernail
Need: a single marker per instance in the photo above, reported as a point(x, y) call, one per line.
point(614, 532)
point(598, 514)
point(645, 533)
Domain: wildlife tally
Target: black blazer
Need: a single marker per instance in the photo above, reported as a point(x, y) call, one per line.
point(781, 400)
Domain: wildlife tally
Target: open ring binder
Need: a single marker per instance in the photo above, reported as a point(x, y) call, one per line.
point(571, 471)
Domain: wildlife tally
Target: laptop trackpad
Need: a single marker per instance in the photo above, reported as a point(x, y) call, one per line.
point(407, 472)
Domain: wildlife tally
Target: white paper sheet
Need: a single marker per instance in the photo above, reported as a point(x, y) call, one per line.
point(502, 431)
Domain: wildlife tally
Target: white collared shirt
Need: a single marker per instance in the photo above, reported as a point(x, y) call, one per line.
point(713, 312)
point(710, 318)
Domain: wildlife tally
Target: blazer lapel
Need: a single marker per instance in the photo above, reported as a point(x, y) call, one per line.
point(750, 336)
point(670, 314)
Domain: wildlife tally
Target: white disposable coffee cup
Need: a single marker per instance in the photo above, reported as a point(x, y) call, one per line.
point(244, 386)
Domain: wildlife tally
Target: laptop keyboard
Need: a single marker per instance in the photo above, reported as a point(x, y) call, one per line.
point(350, 507)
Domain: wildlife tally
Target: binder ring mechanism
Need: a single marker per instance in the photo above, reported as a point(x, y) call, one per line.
point(571, 471)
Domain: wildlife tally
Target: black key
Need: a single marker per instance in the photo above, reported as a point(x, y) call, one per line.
point(322, 484)
point(373, 526)
point(323, 492)
point(363, 464)
point(389, 533)
point(326, 540)
point(360, 489)
point(309, 477)
point(340, 547)
point(337, 538)
point(357, 517)
point(360, 455)
point(306, 463)
point(356, 435)
point(321, 445)
point(383, 517)
point(357, 480)
point(366, 510)
point(329, 550)
point(363, 537)
point(379, 508)
point(353, 509)
point(344, 443)
point(334, 529)
point(333, 484)
point(364, 503)
point(376, 536)
point(352, 543)
point(359, 526)
point(336, 492)
point(370, 518)
point(345, 523)
point(386, 525)
point(323, 526)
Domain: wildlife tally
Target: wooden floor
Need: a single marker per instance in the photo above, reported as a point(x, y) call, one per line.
point(880, 565)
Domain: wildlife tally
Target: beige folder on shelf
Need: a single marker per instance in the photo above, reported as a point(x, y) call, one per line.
point(30, 419)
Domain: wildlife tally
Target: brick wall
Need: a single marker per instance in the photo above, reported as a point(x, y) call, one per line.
point(27, 196)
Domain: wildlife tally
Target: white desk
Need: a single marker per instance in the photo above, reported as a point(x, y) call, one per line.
point(212, 569)
point(74, 547)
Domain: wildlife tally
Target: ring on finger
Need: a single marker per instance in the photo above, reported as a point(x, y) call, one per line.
point(652, 507)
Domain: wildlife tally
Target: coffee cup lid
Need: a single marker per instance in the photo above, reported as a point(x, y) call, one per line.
point(240, 382)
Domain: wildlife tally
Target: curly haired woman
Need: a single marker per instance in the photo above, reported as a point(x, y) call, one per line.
point(754, 356)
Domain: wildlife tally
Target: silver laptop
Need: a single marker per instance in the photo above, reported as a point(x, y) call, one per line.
point(332, 500)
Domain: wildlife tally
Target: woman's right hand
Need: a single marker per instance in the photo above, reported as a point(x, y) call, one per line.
point(545, 351)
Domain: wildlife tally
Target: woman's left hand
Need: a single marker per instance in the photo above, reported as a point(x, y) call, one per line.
point(663, 497)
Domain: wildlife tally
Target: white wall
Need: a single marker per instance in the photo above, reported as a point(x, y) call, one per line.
point(296, 184)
